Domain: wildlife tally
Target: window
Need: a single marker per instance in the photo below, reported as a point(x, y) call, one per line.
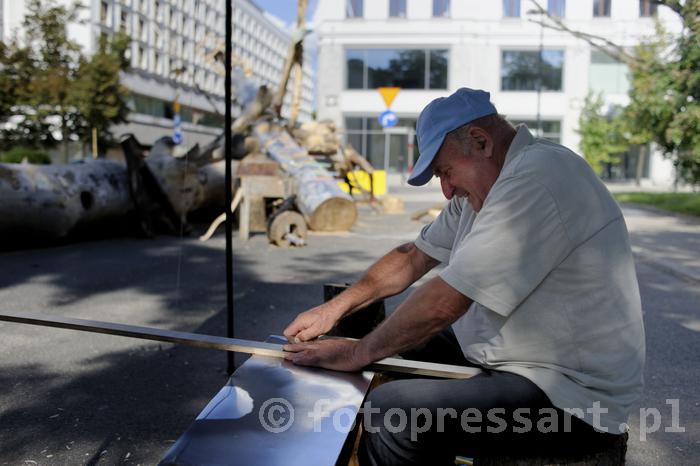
point(438, 69)
point(397, 8)
point(647, 8)
point(104, 12)
point(441, 8)
point(355, 62)
point(548, 129)
point(607, 75)
point(124, 21)
point(142, 59)
point(405, 68)
point(367, 137)
point(528, 70)
point(601, 8)
point(556, 8)
point(353, 9)
point(511, 8)
point(401, 68)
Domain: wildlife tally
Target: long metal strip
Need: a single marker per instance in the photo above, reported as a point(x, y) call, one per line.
point(225, 344)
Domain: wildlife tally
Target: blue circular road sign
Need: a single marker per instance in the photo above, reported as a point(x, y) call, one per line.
point(388, 119)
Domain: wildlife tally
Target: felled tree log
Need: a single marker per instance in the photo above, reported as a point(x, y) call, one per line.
point(319, 198)
point(49, 201)
point(166, 188)
point(187, 186)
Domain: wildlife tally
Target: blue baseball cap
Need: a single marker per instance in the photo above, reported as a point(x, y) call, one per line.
point(441, 116)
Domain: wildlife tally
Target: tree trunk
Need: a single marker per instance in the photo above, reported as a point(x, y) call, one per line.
point(324, 205)
point(294, 55)
point(640, 164)
point(49, 201)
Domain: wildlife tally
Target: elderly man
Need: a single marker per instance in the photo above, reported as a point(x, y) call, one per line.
point(538, 289)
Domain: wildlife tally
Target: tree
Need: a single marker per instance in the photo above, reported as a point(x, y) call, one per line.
point(50, 90)
point(98, 95)
point(21, 126)
point(55, 59)
point(602, 135)
point(664, 90)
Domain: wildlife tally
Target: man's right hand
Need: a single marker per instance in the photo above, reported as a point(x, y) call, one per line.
point(312, 323)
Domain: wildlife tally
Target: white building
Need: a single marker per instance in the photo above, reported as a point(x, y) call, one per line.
point(171, 58)
point(430, 48)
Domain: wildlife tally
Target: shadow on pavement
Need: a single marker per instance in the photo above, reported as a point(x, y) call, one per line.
point(670, 308)
point(129, 405)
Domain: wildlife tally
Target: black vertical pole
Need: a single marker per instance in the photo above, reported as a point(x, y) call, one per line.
point(229, 187)
point(539, 80)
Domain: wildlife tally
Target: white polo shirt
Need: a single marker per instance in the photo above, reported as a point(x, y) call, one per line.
point(548, 264)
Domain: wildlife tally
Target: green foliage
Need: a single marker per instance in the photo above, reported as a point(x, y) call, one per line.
point(18, 154)
point(665, 91)
point(685, 203)
point(99, 97)
point(49, 88)
point(602, 136)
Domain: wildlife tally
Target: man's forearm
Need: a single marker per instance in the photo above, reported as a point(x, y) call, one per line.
point(389, 276)
point(421, 316)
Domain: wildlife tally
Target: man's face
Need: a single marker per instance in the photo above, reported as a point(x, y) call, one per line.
point(467, 168)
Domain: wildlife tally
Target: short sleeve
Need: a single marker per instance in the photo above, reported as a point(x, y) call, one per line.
point(517, 239)
point(437, 238)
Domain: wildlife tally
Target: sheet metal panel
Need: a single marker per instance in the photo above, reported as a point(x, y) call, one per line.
point(249, 422)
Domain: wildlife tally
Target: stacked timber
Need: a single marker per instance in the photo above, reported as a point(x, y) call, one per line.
point(318, 137)
point(324, 205)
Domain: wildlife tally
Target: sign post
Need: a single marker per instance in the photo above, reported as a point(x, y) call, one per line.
point(388, 119)
point(177, 123)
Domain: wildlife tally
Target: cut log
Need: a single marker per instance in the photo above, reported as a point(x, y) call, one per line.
point(287, 228)
point(319, 198)
point(49, 201)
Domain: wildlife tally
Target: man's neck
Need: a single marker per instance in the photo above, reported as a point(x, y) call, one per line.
point(503, 145)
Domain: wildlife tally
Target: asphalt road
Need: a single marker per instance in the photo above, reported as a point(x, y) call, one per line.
point(77, 398)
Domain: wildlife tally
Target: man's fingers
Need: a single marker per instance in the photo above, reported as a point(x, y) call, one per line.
point(306, 335)
point(294, 347)
point(299, 355)
point(292, 329)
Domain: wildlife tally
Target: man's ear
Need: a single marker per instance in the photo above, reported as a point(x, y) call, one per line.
point(482, 140)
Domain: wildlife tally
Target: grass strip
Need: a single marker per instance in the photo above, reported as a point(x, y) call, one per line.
point(684, 203)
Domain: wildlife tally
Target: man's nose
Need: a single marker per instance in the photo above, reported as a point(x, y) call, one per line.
point(447, 189)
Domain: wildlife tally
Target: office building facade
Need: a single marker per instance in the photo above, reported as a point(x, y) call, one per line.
point(430, 48)
point(172, 52)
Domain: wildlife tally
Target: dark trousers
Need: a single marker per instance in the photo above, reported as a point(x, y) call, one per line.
point(485, 420)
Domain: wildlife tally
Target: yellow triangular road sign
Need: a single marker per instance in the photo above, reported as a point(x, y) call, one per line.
point(388, 94)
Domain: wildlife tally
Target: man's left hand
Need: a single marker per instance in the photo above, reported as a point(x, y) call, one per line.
point(336, 354)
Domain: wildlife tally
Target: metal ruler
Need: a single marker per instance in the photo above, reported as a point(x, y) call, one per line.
point(236, 345)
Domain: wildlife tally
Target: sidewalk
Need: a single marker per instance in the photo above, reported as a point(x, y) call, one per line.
point(668, 241)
